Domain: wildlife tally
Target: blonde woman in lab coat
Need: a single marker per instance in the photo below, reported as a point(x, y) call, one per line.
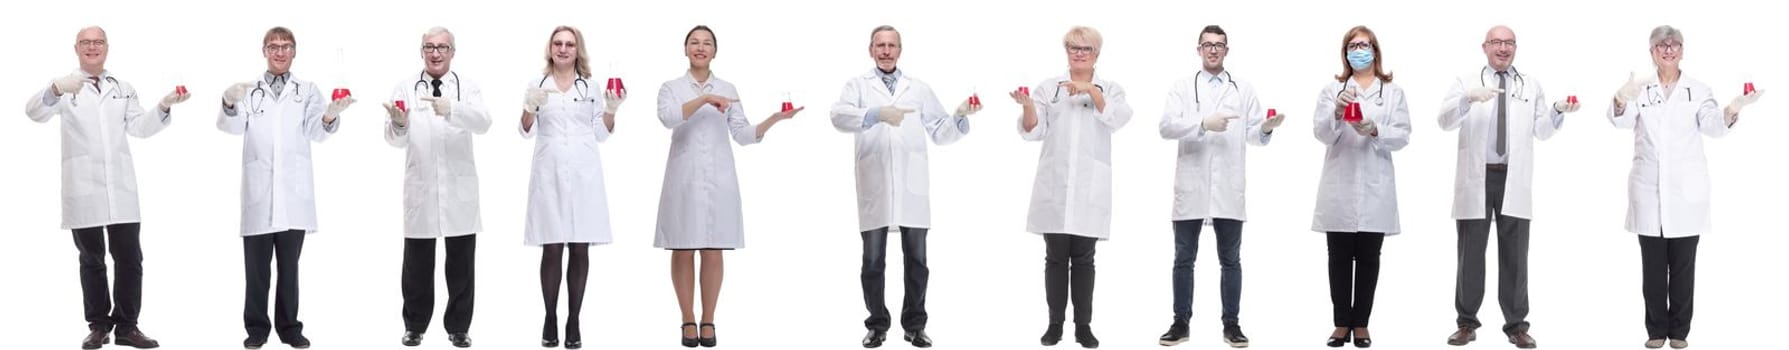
point(1071, 199)
point(699, 207)
point(1357, 199)
point(567, 206)
point(1668, 207)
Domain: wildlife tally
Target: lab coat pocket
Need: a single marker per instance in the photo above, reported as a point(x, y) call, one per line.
point(1098, 189)
point(79, 186)
point(465, 189)
point(257, 179)
point(917, 176)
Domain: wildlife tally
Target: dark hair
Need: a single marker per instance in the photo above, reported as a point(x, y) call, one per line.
point(1213, 29)
point(686, 37)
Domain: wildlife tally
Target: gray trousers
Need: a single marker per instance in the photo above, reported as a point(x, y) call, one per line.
point(1512, 261)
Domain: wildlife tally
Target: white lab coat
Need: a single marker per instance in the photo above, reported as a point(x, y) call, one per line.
point(893, 185)
point(699, 205)
point(1073, 190)
point(440, 176)
point(99, 178)
point(277, 187)
point(567, 198)
point(1668, 188)
point(1528, 117)
point(1358, 191)
point(1209, 168)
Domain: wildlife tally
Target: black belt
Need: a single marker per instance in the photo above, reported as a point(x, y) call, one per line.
point(1497, 167)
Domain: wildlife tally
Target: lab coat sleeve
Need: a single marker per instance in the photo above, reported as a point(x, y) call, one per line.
point(230, 120)
point(1546, 120)
point(1254, 115)
point(943, 126)
point(394, 135)
point(602, 131)
point(1709, 117)
point(1394, 127)
point(139, 123)
point(1117, 112)
point(670, 110)
point(469, 111)
point(1456, 107)
point(1627, 120)
point(1328, 129)
point(1043, 116)
point(744, 132)
point(1178, 123)
point(44, 105)
point(848, 113)
point(314, 128)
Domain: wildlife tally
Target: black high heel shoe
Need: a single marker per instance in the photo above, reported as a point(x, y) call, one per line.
point(1336, 342)
point(689, 342)
point(1362, 342)
point(574, 339)
point(706, 342)
point(549, 335)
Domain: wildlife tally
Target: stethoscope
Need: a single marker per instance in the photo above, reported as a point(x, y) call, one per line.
point(582, 86)
point(1656, 95)
point(1520, 79)
point(1058, 97)
point(1378, 97)
point(114, 81)
point(423, 80)
point(1196, 83)
point(255, 103)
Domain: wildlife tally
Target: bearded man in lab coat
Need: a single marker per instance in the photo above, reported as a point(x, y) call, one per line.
point(99, 183)
point(892, 184)
point(1499, 112)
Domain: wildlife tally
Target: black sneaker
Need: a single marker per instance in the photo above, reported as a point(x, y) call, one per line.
point(1233, 336)
point(1177, 334)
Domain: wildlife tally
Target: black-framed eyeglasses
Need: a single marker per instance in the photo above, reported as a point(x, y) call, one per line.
point(1500, 42)
point(1668, 46)
point(1360, 45)
point(1214, 46)
point(1080, 49)
point(280, 47)
point(437, 48)
point(91, 42)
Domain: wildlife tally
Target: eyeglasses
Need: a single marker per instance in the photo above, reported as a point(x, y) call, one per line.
point(1073, 49)
point(564, 44)
point(1500, 42)
point(437, 48)
point(279, 47)
point(1668, 46)
point(91, 42)
point(1213, 46)
point(1360, 45)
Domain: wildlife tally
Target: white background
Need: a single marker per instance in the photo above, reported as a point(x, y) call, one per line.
point(796, 283)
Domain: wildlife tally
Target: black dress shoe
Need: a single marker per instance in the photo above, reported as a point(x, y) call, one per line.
point(1336, 342)
point(918, 338)
point(136, 339)
point(254, 342)
point(412, 338)
point(298, 341)
point(1233, 336)
point(1052, 335)
point(96, 339)
point(689, 342)
point(874, 339)
point(459, 340)
point(707, 342)
point(1084, 335)
point(1177, 333)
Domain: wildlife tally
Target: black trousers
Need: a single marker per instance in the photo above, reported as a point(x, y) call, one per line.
point(913, 301)
point(127, 294)
point(1353, 275)
point(1668, 284)
point(258, 252)
point(419, 283)
point(1512, 261)
point(1068, 274)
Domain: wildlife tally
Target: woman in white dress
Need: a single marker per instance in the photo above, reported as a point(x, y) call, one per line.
point(699, 209)
point(567, 206)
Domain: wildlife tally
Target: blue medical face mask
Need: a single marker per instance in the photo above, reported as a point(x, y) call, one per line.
point(1360, 59)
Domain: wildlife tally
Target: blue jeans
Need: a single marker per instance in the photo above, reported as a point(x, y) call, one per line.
point(1186, 249)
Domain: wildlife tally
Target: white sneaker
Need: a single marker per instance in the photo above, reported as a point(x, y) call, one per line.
point(1655, 343)
point(1679, 343)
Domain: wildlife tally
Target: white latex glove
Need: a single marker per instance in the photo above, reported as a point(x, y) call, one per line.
point(1218, 122)
point(1366, 127)
point(1482, 94)
point(965, 109)
point(612, 100)
point(1565, 107)
point(536, 97)
point(442, 106)
point(1344, 98)
point(398, 117)
point(70, 84)
point(237, 92)
point(1742, 101)
point(174, 97)
point(892, 115)
point(1273, 122)
point(1629, 91)
point(335, 108)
